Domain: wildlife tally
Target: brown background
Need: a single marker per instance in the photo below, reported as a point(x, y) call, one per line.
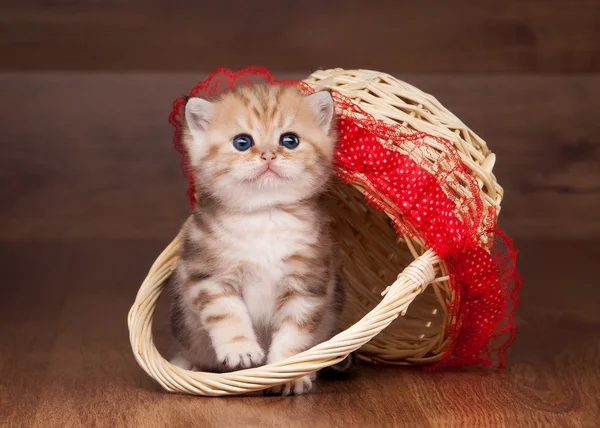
point(90, 190)
point(543, 36)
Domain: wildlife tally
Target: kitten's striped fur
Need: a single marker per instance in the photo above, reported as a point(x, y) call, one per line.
point(257, 282)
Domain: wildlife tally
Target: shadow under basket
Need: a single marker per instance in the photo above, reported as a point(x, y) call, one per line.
point(446, 301)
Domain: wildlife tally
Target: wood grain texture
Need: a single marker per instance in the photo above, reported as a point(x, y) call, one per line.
point(90, 155)
point(65, 359)
point(391, 35)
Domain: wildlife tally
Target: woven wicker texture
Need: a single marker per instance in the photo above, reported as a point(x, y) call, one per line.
point(376, 260)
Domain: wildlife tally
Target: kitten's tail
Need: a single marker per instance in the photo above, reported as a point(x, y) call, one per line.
point(344, 367)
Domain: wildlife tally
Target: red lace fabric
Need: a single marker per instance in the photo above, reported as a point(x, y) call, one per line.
point(433, 196)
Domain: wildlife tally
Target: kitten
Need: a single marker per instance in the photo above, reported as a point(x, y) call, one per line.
point(256, 282)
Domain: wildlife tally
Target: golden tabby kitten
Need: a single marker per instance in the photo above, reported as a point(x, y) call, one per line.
point(256, 282)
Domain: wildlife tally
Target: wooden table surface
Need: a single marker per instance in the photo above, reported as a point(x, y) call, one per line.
point(65, 358)
point(90, 196)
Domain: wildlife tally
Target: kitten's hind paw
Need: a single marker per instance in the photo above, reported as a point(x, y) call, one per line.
point(182, 362)
point(296, 387)
point(243, 356)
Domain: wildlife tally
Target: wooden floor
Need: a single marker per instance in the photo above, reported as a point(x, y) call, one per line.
point(65, 358)
point(90, 194)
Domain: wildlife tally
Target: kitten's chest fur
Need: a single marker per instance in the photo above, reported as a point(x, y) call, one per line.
point(259, 243)
point(266, 238)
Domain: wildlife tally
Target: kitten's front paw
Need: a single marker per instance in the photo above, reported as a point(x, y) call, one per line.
point(296, 387)
point(241, 355)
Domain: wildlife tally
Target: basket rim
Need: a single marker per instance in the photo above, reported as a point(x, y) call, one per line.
point(396, 300)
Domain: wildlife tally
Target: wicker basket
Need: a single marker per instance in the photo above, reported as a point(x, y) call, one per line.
point(376, 259)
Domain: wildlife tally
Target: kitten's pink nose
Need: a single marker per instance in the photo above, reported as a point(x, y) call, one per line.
point(268, 156)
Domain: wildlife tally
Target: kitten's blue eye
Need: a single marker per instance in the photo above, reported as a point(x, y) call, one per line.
point(243, 142)
point(289, 141)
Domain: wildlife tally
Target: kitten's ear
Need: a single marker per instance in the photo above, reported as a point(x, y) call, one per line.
point(198, 112)
point(323, 107)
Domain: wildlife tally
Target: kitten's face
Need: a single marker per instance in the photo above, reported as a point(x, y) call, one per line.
point(261, 145)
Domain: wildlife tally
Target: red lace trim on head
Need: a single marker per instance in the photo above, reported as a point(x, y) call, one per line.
point(421, 180)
